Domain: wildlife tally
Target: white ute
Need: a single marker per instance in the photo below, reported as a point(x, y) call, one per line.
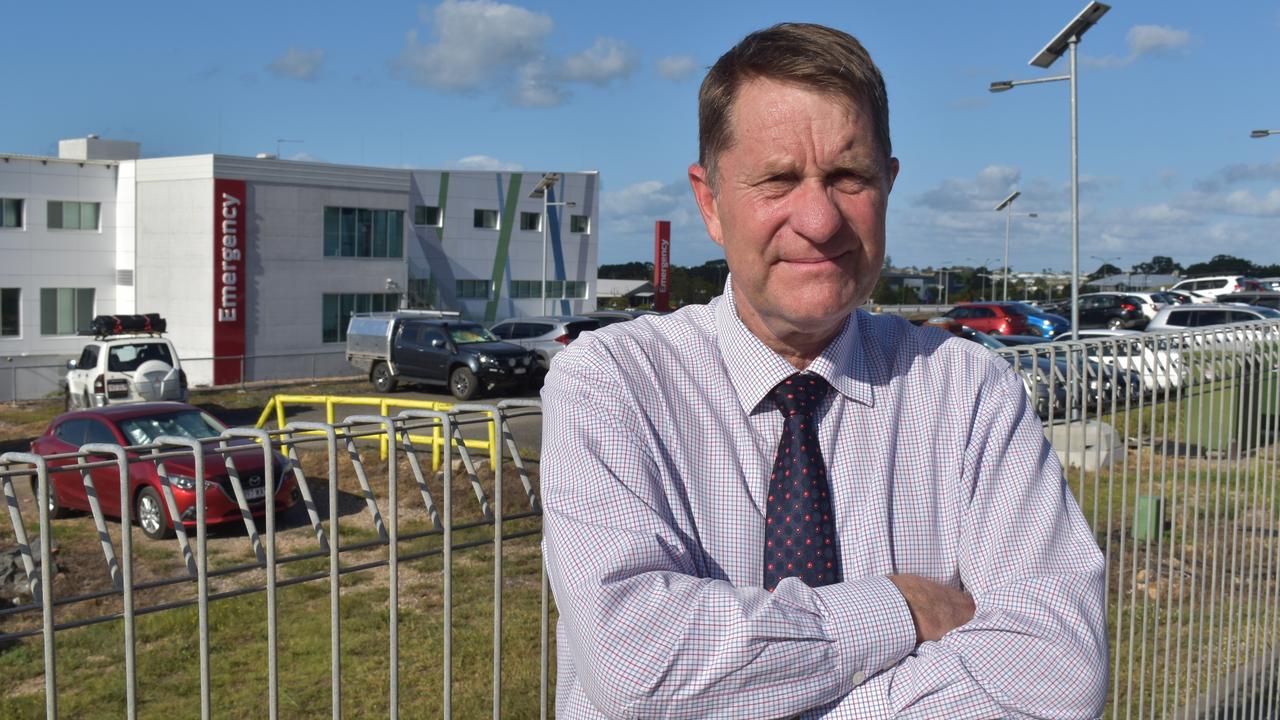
point(127, 361)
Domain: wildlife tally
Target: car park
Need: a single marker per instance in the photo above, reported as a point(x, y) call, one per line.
point(143, 424)
point(1151, 302)
point(544, 335)
point(1218, 285)
point(128, 360)
point(435, 348)
point(992, 318)
point(1045, 323)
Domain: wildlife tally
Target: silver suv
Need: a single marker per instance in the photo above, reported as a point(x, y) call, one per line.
point(546, 335)
point(1183, 317)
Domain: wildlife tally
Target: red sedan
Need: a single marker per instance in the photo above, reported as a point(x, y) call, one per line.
point(143, 424)
point(991, 318)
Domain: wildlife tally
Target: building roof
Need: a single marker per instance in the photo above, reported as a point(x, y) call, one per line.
point(606, 288)
point(1135, 281)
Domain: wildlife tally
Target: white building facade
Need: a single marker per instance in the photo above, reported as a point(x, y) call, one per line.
point(256, 263)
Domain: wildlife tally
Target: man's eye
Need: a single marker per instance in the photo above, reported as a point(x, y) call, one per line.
point(849, 181)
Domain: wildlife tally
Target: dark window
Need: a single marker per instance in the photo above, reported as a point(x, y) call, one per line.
point(579, 224)
point(361, 232)
point(10, 212)
point(66, 215)
point(502, 330)
point(64, 311)
point(97, 432)
point(530, 221)
point(426, 215)
point(72, 431)
point(538, 329)
point(485, 219)
point(430, 335)
point(336, 310)
point(88, 358)
point(577, 328)
point(127, 358)
point(10, 322)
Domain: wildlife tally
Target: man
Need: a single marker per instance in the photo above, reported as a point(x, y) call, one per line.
point(897, 541)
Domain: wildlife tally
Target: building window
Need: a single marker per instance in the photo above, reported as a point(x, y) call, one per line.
point(473, 289)
point(428, 215)
point(65, 311)
point(525, 288)
point(361, 232)
point(579, 224)
point(10, 213)
point(339, 307)
point(9, 323)
point(487, 219)
point(575, 289)
point(66, 215)
point(555, 288)
point(530, 221)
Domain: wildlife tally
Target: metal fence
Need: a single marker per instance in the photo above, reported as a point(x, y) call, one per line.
point(33, 378)
point(1169, 441)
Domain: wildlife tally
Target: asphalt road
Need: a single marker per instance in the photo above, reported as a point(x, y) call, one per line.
point(526, 426)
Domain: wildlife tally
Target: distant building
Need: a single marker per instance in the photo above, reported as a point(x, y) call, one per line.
point(259, 262)
point(635, 292)
point(1134, 281)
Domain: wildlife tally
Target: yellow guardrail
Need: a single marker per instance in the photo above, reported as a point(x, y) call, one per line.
point(384, 406)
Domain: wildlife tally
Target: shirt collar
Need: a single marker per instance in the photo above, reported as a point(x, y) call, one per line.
point(754, 369)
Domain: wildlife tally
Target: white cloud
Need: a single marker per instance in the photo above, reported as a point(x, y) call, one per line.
point(676, 67)
point(981, 192)
point(476, 42)
point(1154, 39)
point(607, 59)
point(485, 162)
point(297, 64)
point(1146, 40)
point(534, 87)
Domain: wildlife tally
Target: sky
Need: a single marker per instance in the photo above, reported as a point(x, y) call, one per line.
point(1168, 93)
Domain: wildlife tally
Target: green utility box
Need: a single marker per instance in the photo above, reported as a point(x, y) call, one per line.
point(1148, 517)
point(1234, 415)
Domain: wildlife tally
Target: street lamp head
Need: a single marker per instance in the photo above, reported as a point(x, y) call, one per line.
point(1008, 201)
point(540, 190)
point(1080, 24)
point(1001, 86)
point(1033, 215)
point(1262, 133)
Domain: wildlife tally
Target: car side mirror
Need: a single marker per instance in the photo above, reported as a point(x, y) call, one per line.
point(71, 364)
point(437, 343)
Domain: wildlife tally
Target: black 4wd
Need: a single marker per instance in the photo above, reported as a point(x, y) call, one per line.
point(403, 347)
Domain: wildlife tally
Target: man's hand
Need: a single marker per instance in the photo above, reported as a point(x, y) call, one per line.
point(936, 609)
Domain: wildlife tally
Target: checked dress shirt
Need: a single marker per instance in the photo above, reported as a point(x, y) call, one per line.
point(657, 449)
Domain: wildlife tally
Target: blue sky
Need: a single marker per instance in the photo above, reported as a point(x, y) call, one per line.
point(1168, 93)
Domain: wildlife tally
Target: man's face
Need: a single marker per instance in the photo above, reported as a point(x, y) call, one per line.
point(799, 208)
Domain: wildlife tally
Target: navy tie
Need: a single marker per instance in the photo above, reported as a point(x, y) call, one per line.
point(800, 536)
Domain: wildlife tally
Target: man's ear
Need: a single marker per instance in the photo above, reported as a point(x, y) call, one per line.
point(700, 181)
point(893, 173)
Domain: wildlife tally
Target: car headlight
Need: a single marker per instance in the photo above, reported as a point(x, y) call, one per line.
point(182, 482)
point(487, 359)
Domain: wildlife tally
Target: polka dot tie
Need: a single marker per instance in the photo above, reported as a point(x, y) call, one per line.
point(799, 527)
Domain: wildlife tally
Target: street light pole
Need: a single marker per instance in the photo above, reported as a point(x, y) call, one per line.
point(1065, 42)
point(1007, 206)
point(1263, 133)
point(542, 190)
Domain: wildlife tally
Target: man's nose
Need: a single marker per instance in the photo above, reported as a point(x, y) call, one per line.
point(814, 213)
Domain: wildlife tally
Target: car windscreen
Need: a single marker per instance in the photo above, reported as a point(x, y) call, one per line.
point(465, 334)
point(576, 328)
point(183, 423)
point(127, 358)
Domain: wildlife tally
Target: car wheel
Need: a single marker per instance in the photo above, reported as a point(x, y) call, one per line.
point(56, 508)
point(463, 383)
point(382, 379)
point(1115, 323)
point(150, 513)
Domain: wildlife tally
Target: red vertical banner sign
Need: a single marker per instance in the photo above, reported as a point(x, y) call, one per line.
point(229, 250)
point(661, 264)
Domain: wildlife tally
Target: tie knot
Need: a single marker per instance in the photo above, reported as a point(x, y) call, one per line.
point(800, 394)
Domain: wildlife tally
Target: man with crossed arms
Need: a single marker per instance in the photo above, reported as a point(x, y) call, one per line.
point(776, 505)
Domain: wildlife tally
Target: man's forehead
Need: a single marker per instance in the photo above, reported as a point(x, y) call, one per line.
point(761, 108)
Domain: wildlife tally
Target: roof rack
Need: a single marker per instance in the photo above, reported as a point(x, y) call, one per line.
point(105, 326)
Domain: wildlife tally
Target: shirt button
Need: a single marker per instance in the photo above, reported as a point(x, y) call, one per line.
point(859, 678)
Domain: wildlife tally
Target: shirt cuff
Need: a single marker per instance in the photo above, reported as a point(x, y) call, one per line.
point(871, 625)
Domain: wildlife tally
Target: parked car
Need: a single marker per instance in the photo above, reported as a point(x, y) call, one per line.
point(992, 318)
point(1021, 340)
point(1117, 311)
point(1186, 297)
point(1219, 285)
point(1261, 298)
point(609, 317)
point(143, 424)
point(1156, 360)
point(546, 335)
point(1151, 302)
point(435, 348)
point(127, 361)
point(1045, 323)
point(1036, 373)
point(1183, 317)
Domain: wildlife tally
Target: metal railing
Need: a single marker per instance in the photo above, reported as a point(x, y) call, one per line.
point(1169, 442)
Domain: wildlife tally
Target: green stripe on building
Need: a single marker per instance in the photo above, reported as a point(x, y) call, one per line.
point(504, 244)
